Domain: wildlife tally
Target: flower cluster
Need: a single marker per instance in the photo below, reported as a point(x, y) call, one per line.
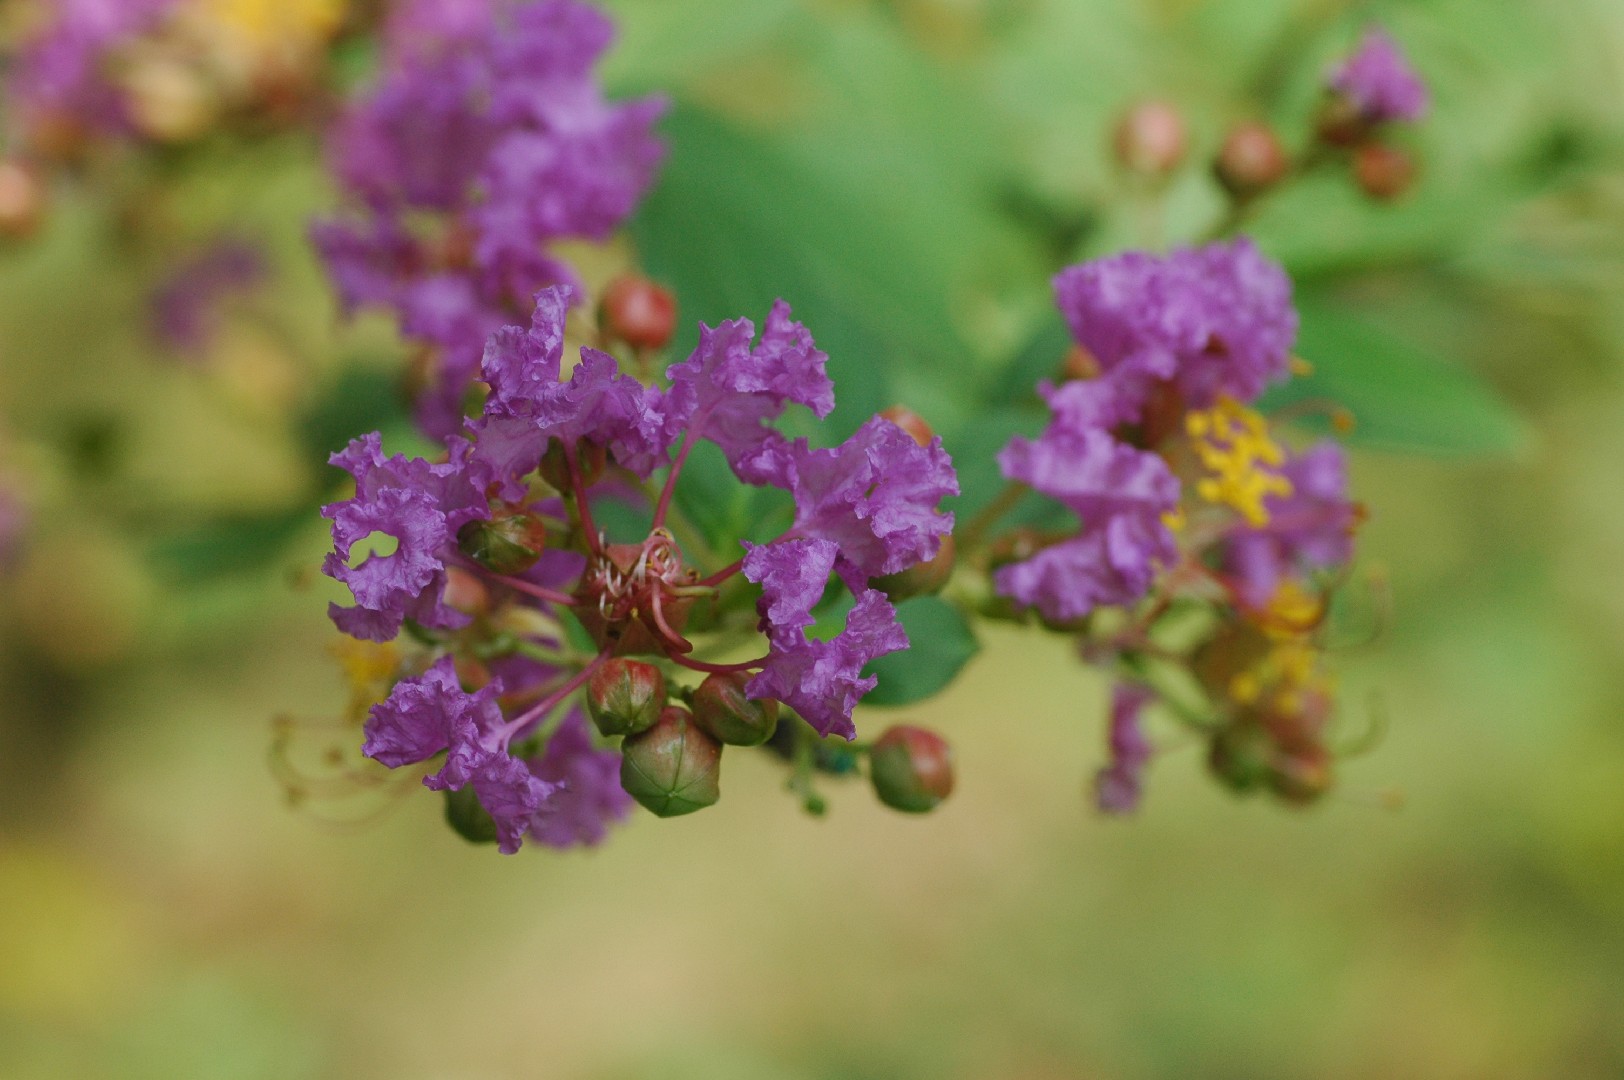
point(484, 141)
point(493, 547)
point(164, 70)
point(1181, 490)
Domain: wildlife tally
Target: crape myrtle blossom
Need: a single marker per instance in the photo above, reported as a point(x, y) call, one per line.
point(485, 140)
point(1379, 82)
point(1184, 498)
point(865, 508)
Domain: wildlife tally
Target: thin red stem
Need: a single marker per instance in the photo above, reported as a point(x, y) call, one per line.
point(540, 592)
point(717, 669)
point(721, 575)
point(581, 505)
point(672, 638)
point(664, 505)
point(547, 704)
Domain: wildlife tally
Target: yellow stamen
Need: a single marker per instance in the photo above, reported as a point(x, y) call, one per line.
point(1233, 444)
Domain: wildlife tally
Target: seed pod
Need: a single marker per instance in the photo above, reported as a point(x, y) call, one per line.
point(510, 542)
point(1251, 160)
point(1383, 172)
point(624, 697)
point(1150, 139)
point(911, 769)
point(22, 200)
point(673, 768)
point(637, 311)
point(911, 422)
point(722, 710)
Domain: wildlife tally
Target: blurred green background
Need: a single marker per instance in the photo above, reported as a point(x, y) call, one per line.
point(908, 174)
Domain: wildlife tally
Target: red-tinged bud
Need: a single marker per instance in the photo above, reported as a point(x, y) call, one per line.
point(1341, 123)
point(468, 818)
point(1242, 757)
point(1150, 139)
point(624, 697)
point(673, 768)
point(509, 543)
point(911, 422)
point(922, 579)
point(466, 593)
point(637, 311)
point(722, 709)
point(22, 200)
point(590, 459)
point(1079, 364)
point(1383, 172)
point(1251, 160)
point(911, 769)
point(1303, 776)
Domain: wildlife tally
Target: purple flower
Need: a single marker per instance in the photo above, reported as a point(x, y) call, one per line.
point(187, 308)
point(1118, 785)
point(1310, 529)
point(432, 714)
point(530, 403)
point(727, 391)
point(1118, 491)
point(487, 127)
point(875, 496)
point(62, 75)
point(1215, 320)
point(420, 506)
point(588, 796)
point(820, 680)
point(1380, 82)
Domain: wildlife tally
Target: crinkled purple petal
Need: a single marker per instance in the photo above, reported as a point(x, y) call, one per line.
point(728, 391)
point(1380, 82)
point(793, 575)
point(1310, 529)
point(1119, 784)
point(587, 798)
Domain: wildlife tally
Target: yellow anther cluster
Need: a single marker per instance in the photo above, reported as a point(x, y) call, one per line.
point(1291, 670)
point(270, 21)
point(1234, 446)
point(370, 668)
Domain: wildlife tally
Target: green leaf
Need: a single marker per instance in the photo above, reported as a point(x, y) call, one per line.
point(1402, 396)
point(228, 548)
point(941, 643)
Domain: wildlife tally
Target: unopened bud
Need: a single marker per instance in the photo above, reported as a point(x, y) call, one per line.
point(624, 697)
point(465, 593)
point(922, 579)
point(723, 710)
point(1383, 172)
point(22, 200)
point(637, 311)
point(510, 542)
point(1150, 139)
point(1251, 160)
point(590, 459)
point(1340, 123)
point(1079, 364)
point(911, 422)
point(673, 768)
point(911, 768)
point(468, 818)
point(1302, 776)
point(169, 100)
point(1241, 757)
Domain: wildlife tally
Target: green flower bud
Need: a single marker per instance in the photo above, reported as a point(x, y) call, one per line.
point(921, 579)
point(509, 543)
point(911, 769)
point(673, 767)
point(624, 697)
point(468, 818)
point(1241, 757)
point(722, 710)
